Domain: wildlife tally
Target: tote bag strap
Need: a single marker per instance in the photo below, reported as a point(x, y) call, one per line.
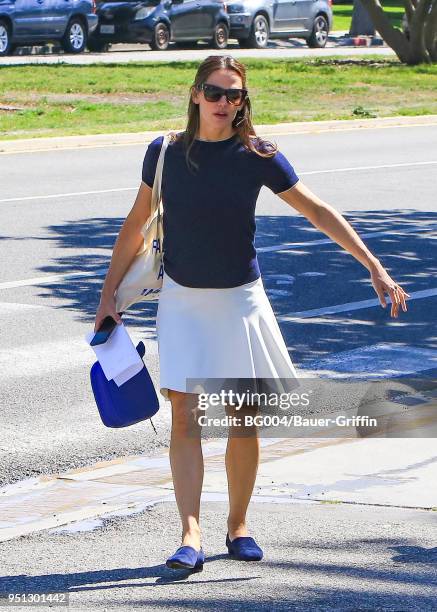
point(156, 191)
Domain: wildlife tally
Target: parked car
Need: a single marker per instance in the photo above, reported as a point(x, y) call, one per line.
point(31, 22)
point(158, 22)
point(253, 22)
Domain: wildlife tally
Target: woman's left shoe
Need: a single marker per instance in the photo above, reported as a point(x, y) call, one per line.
point(187, 557)
point(244, 548)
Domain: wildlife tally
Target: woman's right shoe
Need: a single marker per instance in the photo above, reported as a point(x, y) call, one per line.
point(187, 557)
point(244, 548)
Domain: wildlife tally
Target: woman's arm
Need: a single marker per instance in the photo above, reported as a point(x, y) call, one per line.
point(128, 241)
point(126, 247)
point(333, 224)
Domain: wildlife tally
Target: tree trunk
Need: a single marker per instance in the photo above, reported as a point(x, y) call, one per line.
point(422, 21)
point(431, 33)
point(361, 22)
point(418, 49)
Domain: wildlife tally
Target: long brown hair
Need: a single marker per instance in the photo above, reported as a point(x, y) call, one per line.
point(242, 122)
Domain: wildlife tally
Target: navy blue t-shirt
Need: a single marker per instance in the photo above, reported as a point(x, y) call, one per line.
point(209, 213)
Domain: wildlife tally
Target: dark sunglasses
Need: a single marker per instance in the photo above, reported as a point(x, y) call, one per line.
point(213, 93)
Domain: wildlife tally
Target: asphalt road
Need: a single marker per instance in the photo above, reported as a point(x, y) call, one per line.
point(316, 557)
point(337, 45)
point(60, 212)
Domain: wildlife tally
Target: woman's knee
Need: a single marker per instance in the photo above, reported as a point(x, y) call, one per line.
point(184, 411)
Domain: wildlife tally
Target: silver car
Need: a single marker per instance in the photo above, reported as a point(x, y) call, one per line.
point(253, 22)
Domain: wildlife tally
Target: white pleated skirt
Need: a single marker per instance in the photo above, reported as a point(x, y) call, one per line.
point(219, 334)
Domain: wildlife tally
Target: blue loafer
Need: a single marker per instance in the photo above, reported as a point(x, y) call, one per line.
point(187, 557)
point(244, 548)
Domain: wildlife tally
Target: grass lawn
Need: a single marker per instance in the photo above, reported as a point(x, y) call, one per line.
point(54, 100)
point(343, 14)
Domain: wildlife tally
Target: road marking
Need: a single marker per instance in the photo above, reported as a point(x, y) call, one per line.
point(307, 243)
point(16, 306)
point(67, 195)
point(41, 280)
point(354, 168)
point(41, 358)
point(382, 360)
point(38, 359)
point(348, 306)
point(307, 173)
point(45, 357)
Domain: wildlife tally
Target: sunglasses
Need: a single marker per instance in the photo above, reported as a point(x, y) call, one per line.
point(213, 93)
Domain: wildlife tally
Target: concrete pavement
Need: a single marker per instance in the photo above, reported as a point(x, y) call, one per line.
point(339, 44)
point(328, 466)
point(27, 145)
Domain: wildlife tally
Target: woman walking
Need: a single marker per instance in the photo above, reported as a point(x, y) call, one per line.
point(214, 319)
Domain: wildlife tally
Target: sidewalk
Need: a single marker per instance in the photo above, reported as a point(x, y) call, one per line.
point(339, 44)
point(387, 471)
point(29, 145)
point(338, 37)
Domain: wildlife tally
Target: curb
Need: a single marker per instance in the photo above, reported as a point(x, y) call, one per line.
point(29, 145)
point(133, 482)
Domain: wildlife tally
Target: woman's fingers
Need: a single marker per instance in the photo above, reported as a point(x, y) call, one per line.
point(397, 301)
point(106, 312)
point(383, 283)
point(395, 307)
point(393, 302)
point(117, 317)
point(397, 295)
point(402, 295)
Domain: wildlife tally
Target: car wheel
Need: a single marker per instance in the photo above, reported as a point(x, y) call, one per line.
point(5, 38)
point(98, 46)
point(221, 35)
point(259, 33)
point(75, 37)
point(161, 37)
point(319, 34)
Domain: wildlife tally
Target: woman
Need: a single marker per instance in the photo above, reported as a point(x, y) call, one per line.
point(214, 320)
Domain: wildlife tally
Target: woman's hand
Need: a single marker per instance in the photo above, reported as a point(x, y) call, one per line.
point(106, 308)
point(383, 283)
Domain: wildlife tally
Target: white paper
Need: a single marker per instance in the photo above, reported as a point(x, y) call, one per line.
point(118, 356)
point(127, 374)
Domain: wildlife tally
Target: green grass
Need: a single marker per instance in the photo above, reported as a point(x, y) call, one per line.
point(343, 14)
point(55, 100)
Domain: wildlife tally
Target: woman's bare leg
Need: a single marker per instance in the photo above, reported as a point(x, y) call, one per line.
point(186, 461)
point(242, 460)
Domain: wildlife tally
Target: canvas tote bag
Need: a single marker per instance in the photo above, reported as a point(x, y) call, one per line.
point(143, 279)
